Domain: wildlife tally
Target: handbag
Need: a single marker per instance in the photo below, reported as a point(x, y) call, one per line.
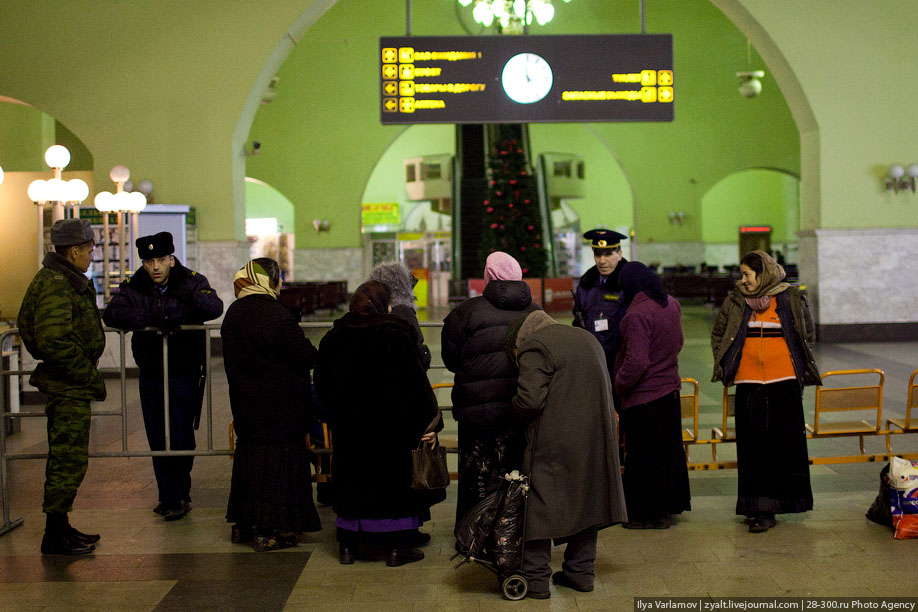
point(428, 464)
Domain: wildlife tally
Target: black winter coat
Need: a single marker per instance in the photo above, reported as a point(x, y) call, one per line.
point(267, 361)
point(187, 300)
point(473, 339)
point(370, 378)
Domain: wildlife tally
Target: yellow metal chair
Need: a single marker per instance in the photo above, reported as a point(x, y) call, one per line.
point(689, 406)
point(906, 425)
point(321, 452)
point(727, 430)
point(862, 404)
point(450, 443)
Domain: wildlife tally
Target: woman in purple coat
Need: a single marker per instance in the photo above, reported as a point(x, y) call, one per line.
point(647, 378)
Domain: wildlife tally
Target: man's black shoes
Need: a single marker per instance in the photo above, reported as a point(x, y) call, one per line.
point(64, 544)
point(175, 510)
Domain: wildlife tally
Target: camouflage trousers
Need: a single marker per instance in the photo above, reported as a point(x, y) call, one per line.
point(68, 451)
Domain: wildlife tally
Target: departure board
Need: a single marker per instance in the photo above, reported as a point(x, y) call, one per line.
point(526, 79)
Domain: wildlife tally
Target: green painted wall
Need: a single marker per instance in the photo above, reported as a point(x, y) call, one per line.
point(751, 197)
point(322, 138)
point(387, 179)
point(846, 69)
point(161, 87)
point(25, 134)
point(156, 85)
point(608, 201)
point(264, 201)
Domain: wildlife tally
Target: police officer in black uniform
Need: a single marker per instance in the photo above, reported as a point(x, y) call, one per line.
point(165, 294)
point(598, 295)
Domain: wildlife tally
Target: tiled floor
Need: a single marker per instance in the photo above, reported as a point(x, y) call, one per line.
point(143, 563)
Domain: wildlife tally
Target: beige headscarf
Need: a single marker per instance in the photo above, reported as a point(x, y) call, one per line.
point(523, 327)
point(770, 283)
point(252, 280)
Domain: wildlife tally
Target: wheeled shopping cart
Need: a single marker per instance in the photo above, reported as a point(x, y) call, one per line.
point(491, 534)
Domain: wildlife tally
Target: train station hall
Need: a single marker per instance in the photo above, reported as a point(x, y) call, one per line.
point(339, 137)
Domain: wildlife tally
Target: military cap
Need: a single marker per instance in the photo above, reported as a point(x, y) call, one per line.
point(157, 245)
point(605, 238)
point(70, 232)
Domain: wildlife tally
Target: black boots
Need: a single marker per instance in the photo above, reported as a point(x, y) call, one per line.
point(62, 539)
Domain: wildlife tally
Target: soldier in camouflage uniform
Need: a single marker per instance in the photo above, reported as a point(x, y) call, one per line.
point(60, 326)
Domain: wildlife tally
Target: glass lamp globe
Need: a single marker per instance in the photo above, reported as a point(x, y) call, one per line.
point(36, 191)
point(103, 201)
point(145, 187)
point(896, 171)
point(119, 174)
point(56, 190)
point(57, 156)
point(78, 190)
point(911, 171)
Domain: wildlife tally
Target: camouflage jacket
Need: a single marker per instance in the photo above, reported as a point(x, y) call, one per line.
point(60, 326)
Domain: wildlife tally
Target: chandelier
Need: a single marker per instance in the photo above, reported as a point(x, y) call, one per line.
point(511, 15)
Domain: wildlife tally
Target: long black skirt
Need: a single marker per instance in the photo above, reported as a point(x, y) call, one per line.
point(656, 480)
point(773, 467)
point(272, 487)
point(485, 455)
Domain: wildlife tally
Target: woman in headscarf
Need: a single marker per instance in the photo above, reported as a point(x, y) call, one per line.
point(490, 435)
point(571, 458)
point(647, 378)
point(761, 344)
point(370, 378)
point(401, 282)
point(267, 360)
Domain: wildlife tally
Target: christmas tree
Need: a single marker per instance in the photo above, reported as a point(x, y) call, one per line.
point(512, 222)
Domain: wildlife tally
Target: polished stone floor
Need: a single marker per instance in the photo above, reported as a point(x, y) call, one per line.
point(143, 563)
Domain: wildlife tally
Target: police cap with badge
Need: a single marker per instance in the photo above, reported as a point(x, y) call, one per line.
point(157, 245)
point(604, 239)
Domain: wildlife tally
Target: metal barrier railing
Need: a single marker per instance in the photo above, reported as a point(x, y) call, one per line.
point(6, 342)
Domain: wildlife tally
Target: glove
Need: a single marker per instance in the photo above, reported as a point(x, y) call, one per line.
point(168, 326)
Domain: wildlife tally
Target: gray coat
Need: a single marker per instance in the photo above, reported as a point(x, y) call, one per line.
point(571, 438)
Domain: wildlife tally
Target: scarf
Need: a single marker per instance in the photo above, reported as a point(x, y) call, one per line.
point(399, 281)
point(252, 280)
point(635, 278)
point(523, 327)
point(500, 266)
point(370, 298)
point(769, 283)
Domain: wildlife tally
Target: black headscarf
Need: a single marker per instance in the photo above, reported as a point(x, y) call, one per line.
point(635, 278)
point(371, 298)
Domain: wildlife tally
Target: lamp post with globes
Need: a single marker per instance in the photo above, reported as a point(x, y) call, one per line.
point(120, 203)
point(57, 192)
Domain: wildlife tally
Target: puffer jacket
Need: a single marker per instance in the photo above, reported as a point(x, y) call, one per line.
point(60, 326)
point(729, 335)
point(473, 341)
point(187, 300)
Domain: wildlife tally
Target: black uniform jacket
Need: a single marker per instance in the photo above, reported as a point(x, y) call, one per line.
point(188, 299)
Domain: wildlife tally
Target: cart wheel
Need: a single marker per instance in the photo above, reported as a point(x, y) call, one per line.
point(515, 587)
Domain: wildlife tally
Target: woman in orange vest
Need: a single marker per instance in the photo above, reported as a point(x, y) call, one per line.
point(761, 343)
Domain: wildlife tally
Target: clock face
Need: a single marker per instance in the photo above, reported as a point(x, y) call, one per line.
point(526, 78)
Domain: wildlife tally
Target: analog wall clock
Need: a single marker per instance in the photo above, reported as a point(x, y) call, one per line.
point(526, 78)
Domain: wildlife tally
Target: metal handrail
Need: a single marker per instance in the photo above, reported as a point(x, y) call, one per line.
point(6, 340)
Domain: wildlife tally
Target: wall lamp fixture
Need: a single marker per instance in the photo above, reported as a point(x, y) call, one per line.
point(900, 178)
point(676, 217)
point(321, 225)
